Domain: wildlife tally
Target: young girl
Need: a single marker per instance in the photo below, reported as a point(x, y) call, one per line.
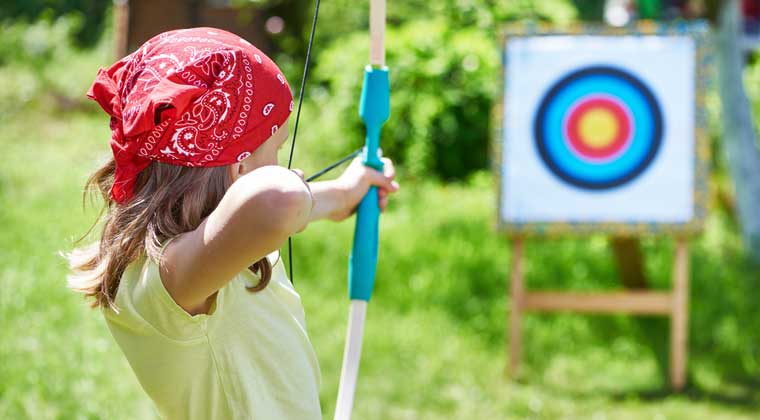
point(187, 271)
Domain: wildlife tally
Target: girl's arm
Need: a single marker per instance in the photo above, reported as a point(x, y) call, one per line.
point(328, 196)
point(337, 199)
point(257, 214)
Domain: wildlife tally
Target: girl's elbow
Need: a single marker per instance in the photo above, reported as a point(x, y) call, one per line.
point(290, 210)
point(280, 212)
point(274, 200)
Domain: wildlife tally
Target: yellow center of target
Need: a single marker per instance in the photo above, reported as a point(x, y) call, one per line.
point(598, 128)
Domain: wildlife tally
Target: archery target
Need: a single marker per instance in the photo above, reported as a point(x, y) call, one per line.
point(598, 129)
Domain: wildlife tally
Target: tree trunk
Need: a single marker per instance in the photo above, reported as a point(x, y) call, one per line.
point(740, 138)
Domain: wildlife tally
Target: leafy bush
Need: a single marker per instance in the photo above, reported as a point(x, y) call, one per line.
point(443, 84)
point(39, 61)
point(445, 77)
point(90, 15)
point(35, 43)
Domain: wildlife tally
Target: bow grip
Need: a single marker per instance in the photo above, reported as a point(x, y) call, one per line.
point(374, 110)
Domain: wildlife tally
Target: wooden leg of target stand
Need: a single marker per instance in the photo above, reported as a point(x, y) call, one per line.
point(679, 316)
point(517, 294)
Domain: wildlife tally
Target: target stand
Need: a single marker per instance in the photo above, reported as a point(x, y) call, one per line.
point(660, 303)
point(604, 131)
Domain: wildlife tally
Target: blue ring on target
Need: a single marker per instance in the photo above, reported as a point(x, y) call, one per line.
point(597, 84)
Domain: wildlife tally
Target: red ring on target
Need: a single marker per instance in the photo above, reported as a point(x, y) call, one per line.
point(583, 146)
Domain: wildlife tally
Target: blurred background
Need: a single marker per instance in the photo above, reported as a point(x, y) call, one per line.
point(435, 339)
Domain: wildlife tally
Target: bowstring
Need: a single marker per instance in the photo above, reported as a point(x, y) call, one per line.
point(334, 165)
point(298, 117)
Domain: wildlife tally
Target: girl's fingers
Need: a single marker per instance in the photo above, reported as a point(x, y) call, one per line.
point(383, 203)
point(383, 197)
point(381, 181)
point(393, 188)
point(388, 169)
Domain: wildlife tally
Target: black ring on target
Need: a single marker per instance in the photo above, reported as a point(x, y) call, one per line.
point(637, 128)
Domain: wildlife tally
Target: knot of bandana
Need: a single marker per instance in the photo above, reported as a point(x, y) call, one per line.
point(190, 97)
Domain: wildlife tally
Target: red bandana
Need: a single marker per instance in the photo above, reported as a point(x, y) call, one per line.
point(191, 97)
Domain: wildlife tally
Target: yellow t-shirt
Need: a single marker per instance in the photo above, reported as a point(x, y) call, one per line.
point(249, 358)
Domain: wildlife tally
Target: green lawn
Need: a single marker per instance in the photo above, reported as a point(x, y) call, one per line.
point(435, 339)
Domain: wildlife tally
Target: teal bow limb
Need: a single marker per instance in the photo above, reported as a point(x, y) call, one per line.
point(374, 109)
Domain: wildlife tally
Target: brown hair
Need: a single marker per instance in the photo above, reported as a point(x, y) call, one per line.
point(168, 200)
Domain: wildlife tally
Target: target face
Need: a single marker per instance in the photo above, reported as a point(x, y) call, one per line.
point(599, 131)
point(598, 128)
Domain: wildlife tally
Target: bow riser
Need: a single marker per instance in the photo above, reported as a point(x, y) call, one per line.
point(374, 109)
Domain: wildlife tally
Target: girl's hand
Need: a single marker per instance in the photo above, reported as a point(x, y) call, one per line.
point(356, 181)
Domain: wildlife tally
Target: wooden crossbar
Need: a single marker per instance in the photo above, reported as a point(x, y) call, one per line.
point(634, 302)
point(673, 304)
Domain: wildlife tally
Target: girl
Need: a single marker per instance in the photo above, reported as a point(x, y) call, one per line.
point(186, 271)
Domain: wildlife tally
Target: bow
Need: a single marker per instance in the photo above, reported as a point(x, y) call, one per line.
point(374, 109)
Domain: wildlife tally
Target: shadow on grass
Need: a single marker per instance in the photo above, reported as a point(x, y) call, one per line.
point(742, 396)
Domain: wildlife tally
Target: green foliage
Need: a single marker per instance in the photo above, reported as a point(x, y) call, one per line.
point(445, 78)
point(90, 15)
point(591, 10)
point(649, 9)
point(39, 63)
point(35, 43)
point(339, 17)
point(752, 84)
point(443, 87)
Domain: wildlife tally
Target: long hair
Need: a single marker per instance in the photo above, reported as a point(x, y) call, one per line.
point(168, 200)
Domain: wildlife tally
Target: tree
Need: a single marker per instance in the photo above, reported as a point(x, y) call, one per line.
point(740, 137)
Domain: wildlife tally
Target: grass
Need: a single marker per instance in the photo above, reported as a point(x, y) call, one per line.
point(435, 339)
